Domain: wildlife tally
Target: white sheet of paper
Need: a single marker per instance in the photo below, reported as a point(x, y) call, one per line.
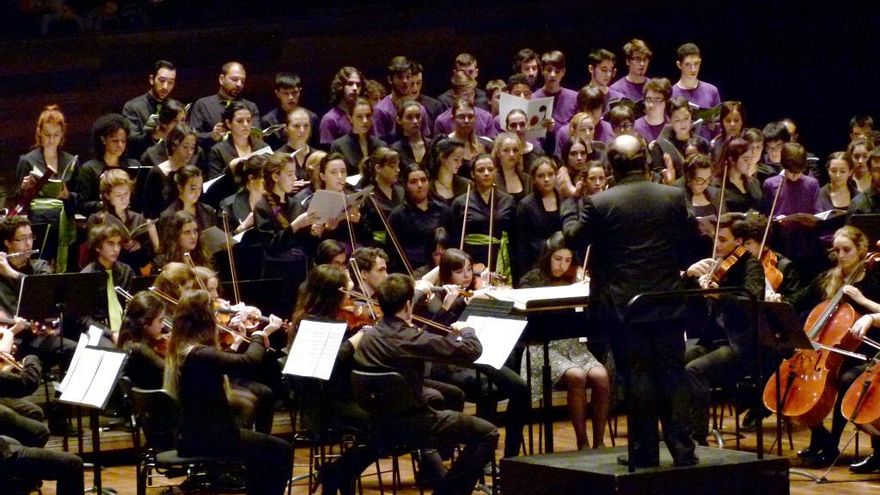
point(315, 348)
point(78, 386)
point(80, 345)
point(536, 110)
point(238, 237)
point(498, 336)
point(521, 297)
point(95, 335)
point(327, 205)
point(207, 185)
point(353, 180)
point(105, 378)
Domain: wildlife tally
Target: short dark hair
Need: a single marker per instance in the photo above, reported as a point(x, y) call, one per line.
point(687, 49)
point(235, 106)
point(794, 157)
point(365, 257)
point(861, 121)
point(100, 232)
point(106, 125)
point(399, 65)
point(10, 224)
point(394, 292)
point(517, 78)
point(287, 80)
point(776, 131)
point(170, 111)
point(597, 56)
point(523, 56)
point(162, 64)
point(750, 227)
point(185, 174)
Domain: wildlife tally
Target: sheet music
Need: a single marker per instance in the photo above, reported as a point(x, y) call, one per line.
point(95, 335)
point(522, 297)
point(207, 184)
point(105, 378)
point(536, 111)
point(498, 336)
point(314, 350)
point(82, 375)
point(80, 345)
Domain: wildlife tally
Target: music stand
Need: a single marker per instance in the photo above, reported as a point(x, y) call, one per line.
point(869, 223)
point(95, 372)
point(51, 296)
point(142, 283)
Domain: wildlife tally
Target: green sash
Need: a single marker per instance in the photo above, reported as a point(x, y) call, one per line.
point(66, 229)
point(502, 261)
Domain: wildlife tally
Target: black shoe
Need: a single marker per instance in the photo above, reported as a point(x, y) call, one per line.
point(686, 461)
point(750, 421)
point(624, 461)
point(701, 440)
point(867, 465)
point(823, 459)
point(809, 452)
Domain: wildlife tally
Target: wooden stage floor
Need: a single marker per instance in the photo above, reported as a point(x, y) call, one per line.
point(121, 476)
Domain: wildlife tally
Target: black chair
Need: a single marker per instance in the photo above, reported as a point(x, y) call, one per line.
point(156, 414)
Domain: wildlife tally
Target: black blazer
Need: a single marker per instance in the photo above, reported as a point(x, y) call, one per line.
point(637, 229)
point(350, 148)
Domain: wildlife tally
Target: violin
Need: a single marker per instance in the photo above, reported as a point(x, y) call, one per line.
point(358, 315)
point(9, 363)
point(771, 272)
point(160, 344)
point(719, 272)
point(807, 394)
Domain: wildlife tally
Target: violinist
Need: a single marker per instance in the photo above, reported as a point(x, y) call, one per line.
point(780, 273)
point(456, 275)
point(105, 243)
point(141, 336)
point(195, 374)
point(849, 248)
point(726, 346)
point(22, 432)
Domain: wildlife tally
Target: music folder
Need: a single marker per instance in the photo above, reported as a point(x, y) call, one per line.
point(314, 349)
point(498, 336)
point(92, 375)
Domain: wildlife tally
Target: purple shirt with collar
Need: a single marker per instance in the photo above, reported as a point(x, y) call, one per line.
point(564, 105)
point(631, 90)
point(648, 131)
point(385, 121)
point(334, 125)
point(705, 95)
point(484, 125)
point(799, 196)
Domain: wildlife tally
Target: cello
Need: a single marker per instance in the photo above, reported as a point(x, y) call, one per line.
point(807, 393)
point(861, 403)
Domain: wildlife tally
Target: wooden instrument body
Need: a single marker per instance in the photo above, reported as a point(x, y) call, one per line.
point(807, 380)
point(861, 403)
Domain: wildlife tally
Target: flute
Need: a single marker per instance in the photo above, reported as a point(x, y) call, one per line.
point(22, 253)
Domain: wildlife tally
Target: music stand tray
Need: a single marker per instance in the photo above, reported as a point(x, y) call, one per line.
point(49, 296)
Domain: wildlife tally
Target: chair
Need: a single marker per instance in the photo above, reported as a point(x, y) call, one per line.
point(156, 414)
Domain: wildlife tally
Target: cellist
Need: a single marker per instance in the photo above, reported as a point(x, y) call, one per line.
point(727, 345)
point(849, 248)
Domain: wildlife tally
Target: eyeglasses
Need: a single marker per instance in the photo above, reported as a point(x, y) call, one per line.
point(655, 101)
point(700, 181)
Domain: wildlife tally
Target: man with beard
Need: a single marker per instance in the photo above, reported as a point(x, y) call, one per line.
point(206, 113)
point(138, 110)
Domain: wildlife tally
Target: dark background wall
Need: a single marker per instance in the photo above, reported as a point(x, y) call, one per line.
point(814, 62)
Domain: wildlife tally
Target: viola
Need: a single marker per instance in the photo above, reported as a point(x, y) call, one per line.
point(769, 262)
point(807, 395)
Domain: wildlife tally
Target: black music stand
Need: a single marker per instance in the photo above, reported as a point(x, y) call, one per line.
point(142, 283)
point(52, 296)
point(95, 373)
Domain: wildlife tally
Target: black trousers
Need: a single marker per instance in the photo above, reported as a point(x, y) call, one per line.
point(33, 463)
point(650, 360)
point(22, 420)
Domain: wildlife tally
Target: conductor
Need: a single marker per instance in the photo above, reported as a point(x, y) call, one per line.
point(636, 230)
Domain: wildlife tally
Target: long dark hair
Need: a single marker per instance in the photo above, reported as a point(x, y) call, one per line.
point(193, 325)
point(555, 243)
point(321, 295)
point(140, 311)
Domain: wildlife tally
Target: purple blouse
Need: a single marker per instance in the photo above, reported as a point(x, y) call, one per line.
point(484, 127)
point(800, 196)
point(564, 105)
point(705, 95)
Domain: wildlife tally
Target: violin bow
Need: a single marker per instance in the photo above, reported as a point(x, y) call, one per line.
point(189, 261)
point(720, 209)
point(348, 220)
point(586, 259)
point(491, 225)
point(235, 293)
point(770, 216)
point(392, 236)
point(356, 273)
point(420, 319)
point(467, 200)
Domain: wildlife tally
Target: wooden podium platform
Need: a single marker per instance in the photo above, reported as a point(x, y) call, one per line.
point(597, 472)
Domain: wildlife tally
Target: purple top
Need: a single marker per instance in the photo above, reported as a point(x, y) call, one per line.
point(612, 95)
point(648, 131)
point(484, 127)
point(385, 121)
point(628, 89)
point(334, 125)
point(602, 133)
point(796, 197)
point(564, 105)
point(705, 95)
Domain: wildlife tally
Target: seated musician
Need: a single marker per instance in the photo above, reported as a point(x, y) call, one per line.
point(456, 275)
point(862, 290)
point(195, 374)
point(181, 234)
point(105, 243)
point(18, 241)
point(396, 344)
point(726, 347)
point(572, 365)
point(23, 435)
point(141, 336)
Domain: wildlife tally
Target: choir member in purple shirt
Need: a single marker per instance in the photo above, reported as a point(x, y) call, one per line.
point(564, 99)
point(385, 112)
point(700, 93)
point(527, 63)
point(494, 88)
point(464, 87)
point(465, 62)
point(638, 56)
point(602, 71)
point(657, 93)
point(432, 106)
point(799, 192)
point(347, 85)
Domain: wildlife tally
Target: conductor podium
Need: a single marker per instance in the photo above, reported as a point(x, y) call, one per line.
point(719, 472)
